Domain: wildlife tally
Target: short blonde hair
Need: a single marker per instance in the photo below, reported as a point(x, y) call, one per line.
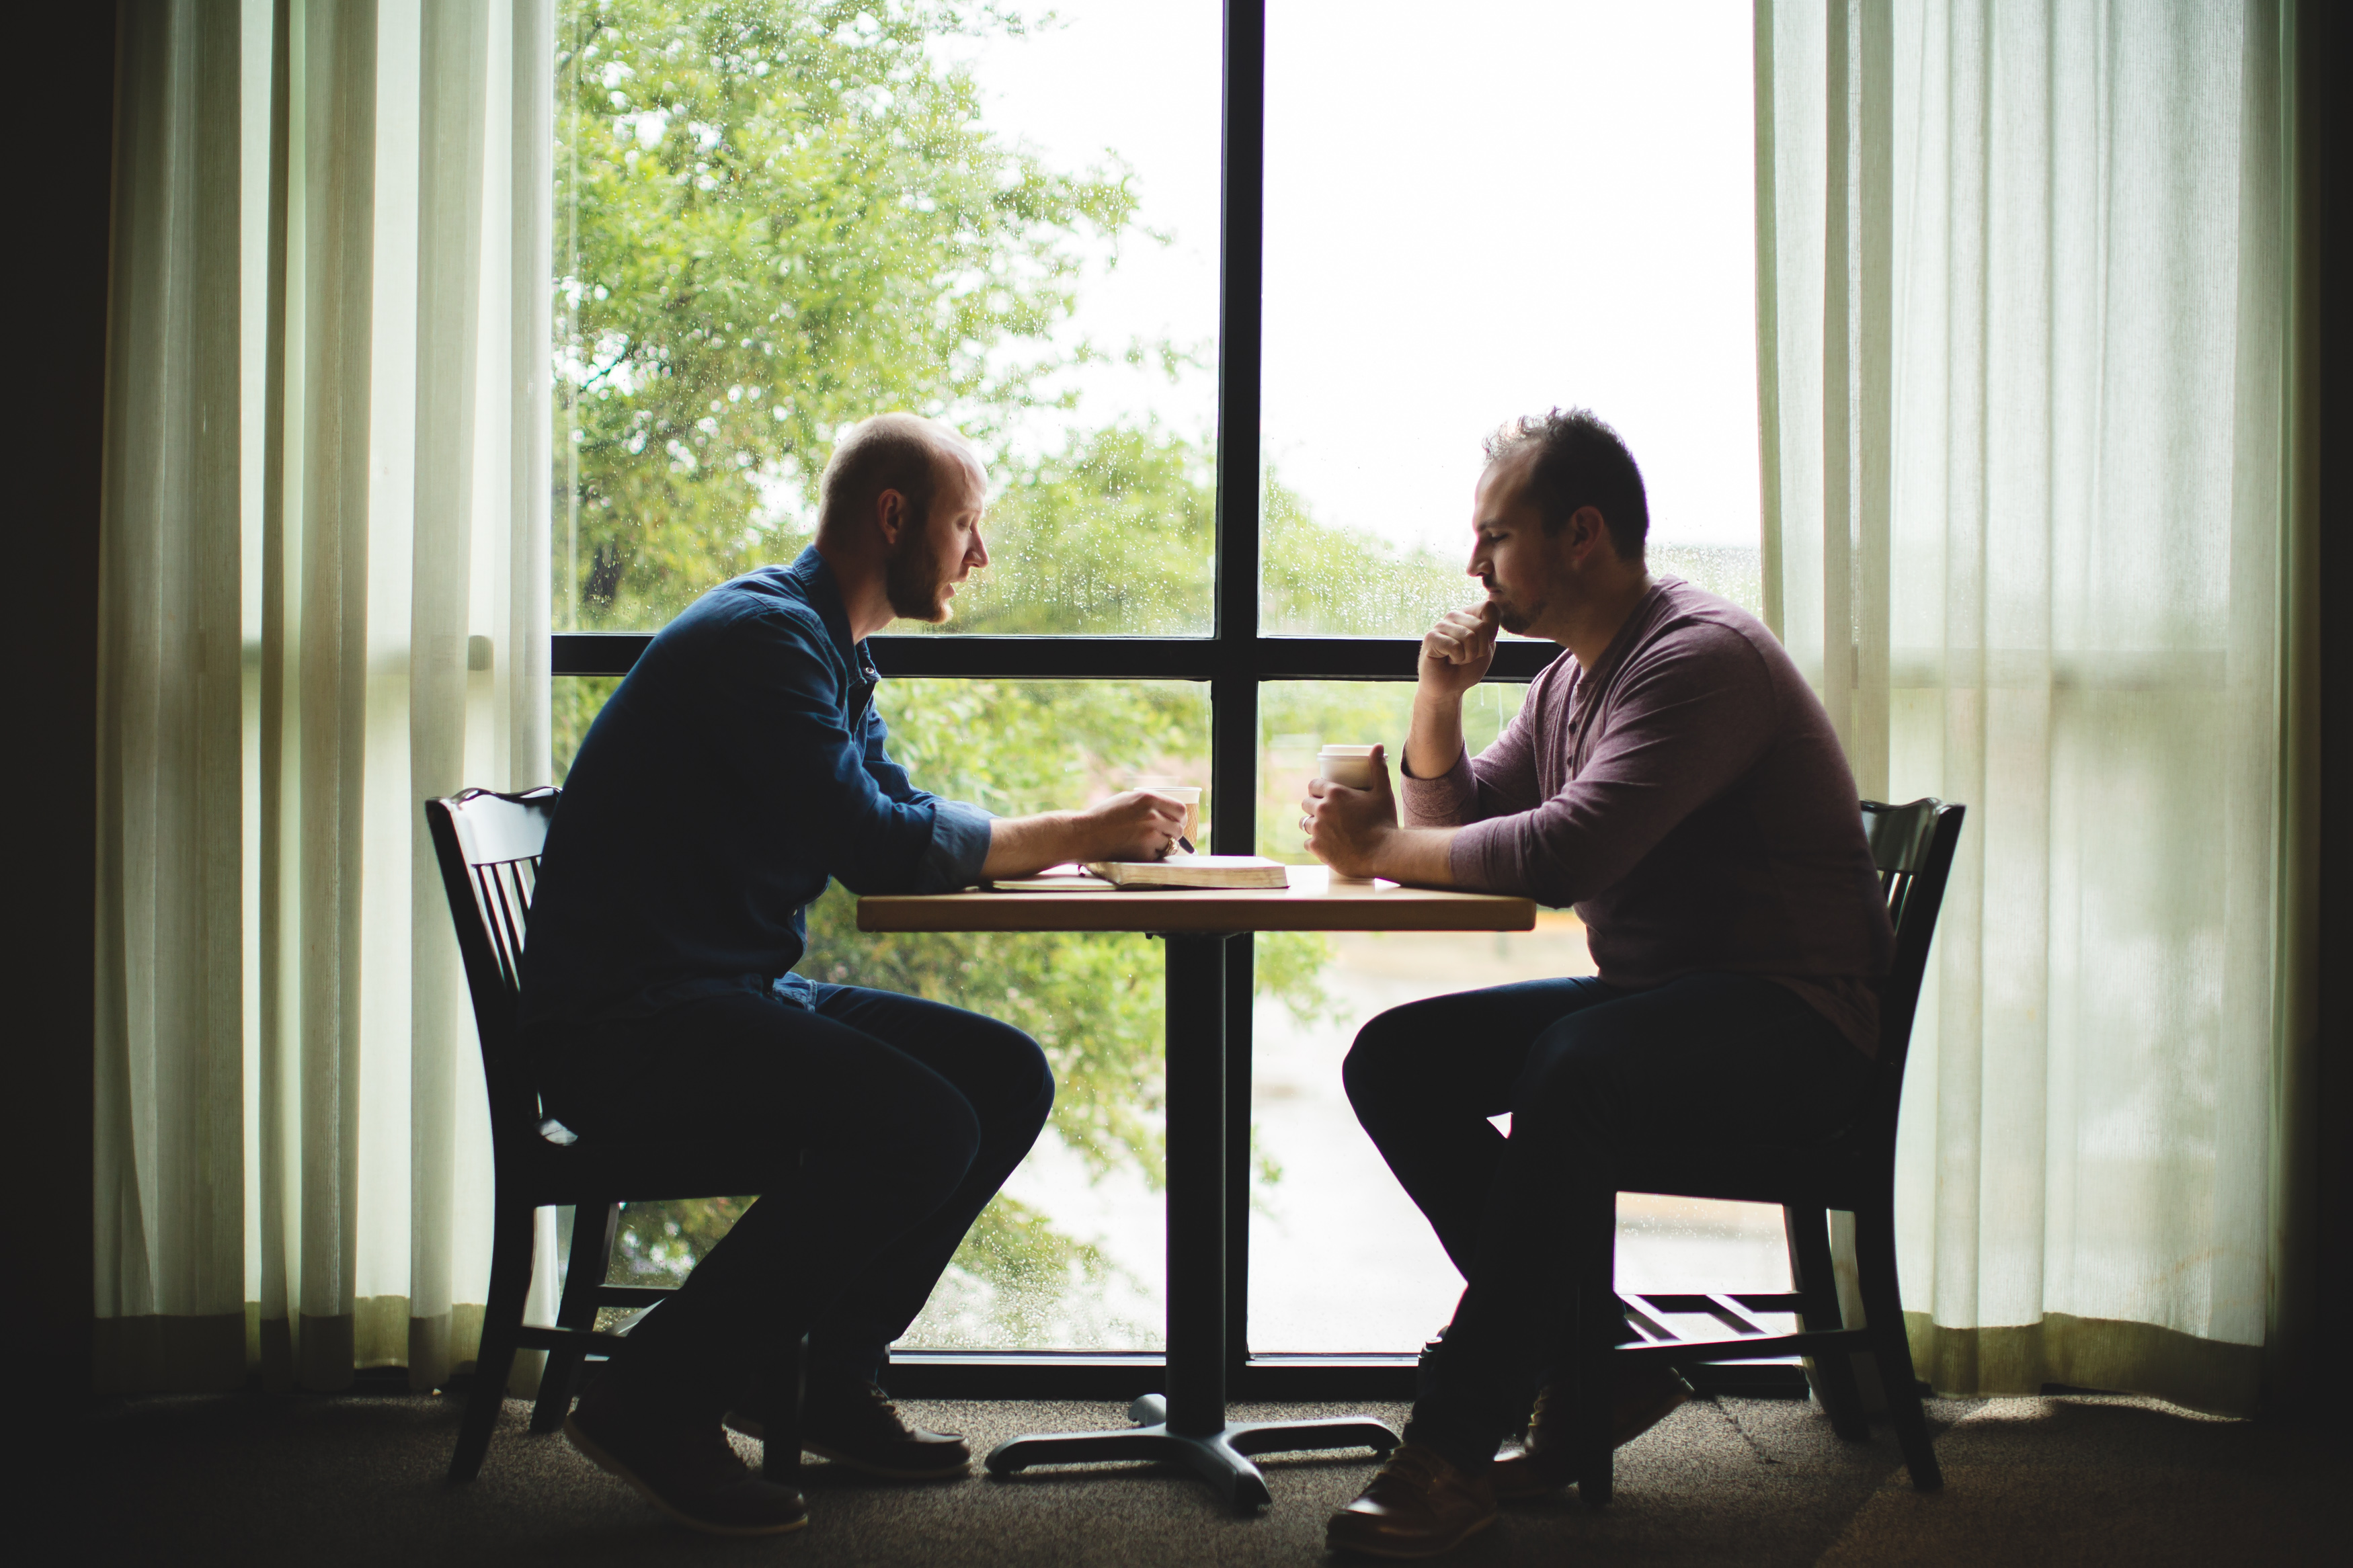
point(894, 451)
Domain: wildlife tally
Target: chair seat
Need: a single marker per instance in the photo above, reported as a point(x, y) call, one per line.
point(588, 1171)
point(1839, 1175)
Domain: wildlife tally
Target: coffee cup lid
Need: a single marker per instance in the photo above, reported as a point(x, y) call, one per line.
point(1345, 751)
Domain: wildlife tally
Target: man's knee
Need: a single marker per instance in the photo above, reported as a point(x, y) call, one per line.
point(1390, 1058)
point(1014, 1088)
point(1034, 1073)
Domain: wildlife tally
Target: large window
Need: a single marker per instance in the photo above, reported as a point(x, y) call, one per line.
point(1229, 293)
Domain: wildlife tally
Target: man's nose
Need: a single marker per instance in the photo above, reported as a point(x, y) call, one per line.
point(978, 556)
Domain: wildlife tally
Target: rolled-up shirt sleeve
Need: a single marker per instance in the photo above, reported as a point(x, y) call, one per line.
point(1447, 801)
point(1684, 728)
point(960, 831)
point(880, 834)
point(959, 848)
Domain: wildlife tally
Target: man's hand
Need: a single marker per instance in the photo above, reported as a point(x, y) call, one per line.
point(1347, 827)
point(1456, 652)
point(1455, 655)
point(1136, 825)
point(1356, 832)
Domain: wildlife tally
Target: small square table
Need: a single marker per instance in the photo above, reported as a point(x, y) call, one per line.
point(1189, 1425)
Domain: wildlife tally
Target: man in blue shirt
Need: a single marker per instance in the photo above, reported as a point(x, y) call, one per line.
point(739, 767)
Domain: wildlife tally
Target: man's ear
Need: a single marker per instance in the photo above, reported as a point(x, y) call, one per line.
point(890, 516)
point(1586, 529)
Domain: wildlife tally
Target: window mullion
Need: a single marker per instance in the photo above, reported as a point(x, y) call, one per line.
point(1240, 319)
point(1233, 692)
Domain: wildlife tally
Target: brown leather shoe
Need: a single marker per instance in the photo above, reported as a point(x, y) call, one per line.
point(1644, 1397)
point(1419, 1506)
point(684, 1466)
point(858, 1427)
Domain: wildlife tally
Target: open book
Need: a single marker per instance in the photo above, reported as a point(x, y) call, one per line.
point(1052, 880)
point(1193, 871)
point(1177, 871)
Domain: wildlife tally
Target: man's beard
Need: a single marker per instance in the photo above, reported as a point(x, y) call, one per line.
point(1508, 615)
point(912, 578)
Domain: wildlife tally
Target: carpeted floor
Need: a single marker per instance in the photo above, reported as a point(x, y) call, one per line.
point(358, 1481)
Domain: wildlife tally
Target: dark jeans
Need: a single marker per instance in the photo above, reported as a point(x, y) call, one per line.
point(1587, 1070)
point(912, 1115)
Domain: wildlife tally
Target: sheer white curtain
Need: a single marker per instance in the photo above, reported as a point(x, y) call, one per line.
point(2025, 346)
point(324, 599)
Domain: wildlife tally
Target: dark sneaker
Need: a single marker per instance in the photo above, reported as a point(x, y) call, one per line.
point(1419, 1506)
point(685, 1467)
point(855, 1425)
point(1645, 1395)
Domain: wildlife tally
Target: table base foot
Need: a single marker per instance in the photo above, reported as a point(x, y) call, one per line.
point(1219, 1457)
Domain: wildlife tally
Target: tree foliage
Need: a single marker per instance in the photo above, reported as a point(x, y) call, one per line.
point(783, 215)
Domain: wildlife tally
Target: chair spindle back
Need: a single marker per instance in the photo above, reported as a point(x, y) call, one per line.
point(1912, 846)
point(488, 846)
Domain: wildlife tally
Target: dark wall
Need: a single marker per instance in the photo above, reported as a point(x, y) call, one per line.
point(58, 330)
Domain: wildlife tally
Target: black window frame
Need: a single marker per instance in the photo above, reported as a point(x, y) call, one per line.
point(1235, 658)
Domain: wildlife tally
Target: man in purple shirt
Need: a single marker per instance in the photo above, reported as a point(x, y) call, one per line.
point(1677, 782)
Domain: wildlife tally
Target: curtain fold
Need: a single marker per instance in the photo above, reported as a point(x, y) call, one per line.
point(327, 444)
point(170, 1287)
point(2025, 326)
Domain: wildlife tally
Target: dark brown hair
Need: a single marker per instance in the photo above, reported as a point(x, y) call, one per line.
point(1579, 462)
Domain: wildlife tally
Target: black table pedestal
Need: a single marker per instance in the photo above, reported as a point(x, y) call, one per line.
point(1220, 1457)
point(1190, 1425)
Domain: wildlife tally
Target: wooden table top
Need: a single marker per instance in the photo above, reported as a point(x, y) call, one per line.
point(1313, 902)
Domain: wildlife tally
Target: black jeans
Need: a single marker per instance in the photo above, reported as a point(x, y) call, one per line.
point(1587, 1070)
point(913, 1114)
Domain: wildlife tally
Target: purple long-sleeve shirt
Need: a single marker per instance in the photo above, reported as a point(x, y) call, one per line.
point(1688, 796)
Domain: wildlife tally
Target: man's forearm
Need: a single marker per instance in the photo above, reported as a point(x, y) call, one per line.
point(1020, 844)
point(1421, 855)
point(1433, 739)
point(1137, 824)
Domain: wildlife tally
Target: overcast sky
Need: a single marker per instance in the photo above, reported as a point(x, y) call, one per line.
point(1471, 212)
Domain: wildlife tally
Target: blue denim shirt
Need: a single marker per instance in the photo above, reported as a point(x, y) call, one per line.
point(738, 767)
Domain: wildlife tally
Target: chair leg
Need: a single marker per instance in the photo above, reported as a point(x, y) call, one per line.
point(511, 1248)
point(1815, 1280)
point(1875, 1236)
point(593, 1228)
point(780, 1441)
point(1593, 1239)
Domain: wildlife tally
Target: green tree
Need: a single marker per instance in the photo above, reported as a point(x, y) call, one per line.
point(782, 214)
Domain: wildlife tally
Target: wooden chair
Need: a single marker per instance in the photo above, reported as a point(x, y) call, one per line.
point(1853, 1172)
point(489, 847)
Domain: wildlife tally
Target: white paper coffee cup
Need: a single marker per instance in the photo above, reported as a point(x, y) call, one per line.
point(1350, 765)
